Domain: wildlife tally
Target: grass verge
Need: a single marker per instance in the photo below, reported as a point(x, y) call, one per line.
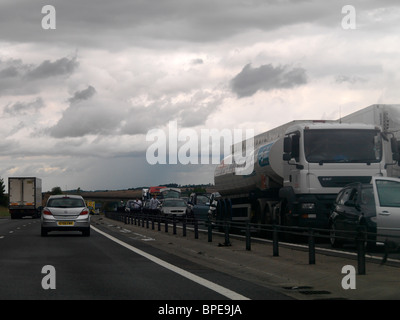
point(4, 212)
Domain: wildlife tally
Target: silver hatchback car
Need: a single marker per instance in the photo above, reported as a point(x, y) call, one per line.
point(65, 213)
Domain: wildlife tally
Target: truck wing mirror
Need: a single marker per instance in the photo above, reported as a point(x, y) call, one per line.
point(286, 156)
point(287, 145)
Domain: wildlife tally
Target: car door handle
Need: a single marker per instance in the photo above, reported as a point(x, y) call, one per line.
point(384, 213)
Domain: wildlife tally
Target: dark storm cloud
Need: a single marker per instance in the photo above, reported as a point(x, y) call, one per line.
point(127, 22)
point(266, 77)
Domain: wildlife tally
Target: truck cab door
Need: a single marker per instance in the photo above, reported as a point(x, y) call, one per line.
point(387, 199)
point(291, 154)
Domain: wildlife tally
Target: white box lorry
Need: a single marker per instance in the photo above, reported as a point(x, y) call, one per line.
point(25, 197)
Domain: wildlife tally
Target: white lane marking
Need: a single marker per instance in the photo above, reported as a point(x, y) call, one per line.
point(208, 284)
point(142, 237)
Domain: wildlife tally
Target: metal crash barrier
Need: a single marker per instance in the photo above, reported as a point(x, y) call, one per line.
point(277, 234)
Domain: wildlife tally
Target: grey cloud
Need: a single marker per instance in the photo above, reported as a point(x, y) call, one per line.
point(200, 108)
point(46, 69)
point(23, 108)
point(349, 79)
point(126, 22)
point(197, 61)
point(92, 116)
point(17, 77)
point(9, 72)
point(266, 77)
point(83, 95)
point(193, 111)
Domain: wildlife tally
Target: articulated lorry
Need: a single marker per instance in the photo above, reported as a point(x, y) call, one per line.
point(300, 167)
point(25, 197)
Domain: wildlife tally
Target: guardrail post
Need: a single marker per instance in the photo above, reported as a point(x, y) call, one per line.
point(226, 227)
point(275, 244)
point(209, 229)
point(152, 222)
point(248, 236)
point(184, 221)
point(360, 242)
point(311, 247)
point(196, 228)
point(159, 222)
point(166, 224)
point(173, 224)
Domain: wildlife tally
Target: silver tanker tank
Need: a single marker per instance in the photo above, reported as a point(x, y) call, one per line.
point(267, 171)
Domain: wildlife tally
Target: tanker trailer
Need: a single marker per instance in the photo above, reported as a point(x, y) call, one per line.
point(299, 168)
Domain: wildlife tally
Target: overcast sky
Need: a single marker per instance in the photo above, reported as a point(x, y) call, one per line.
point(77, 101)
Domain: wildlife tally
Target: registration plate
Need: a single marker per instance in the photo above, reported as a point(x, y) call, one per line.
point(65, 223)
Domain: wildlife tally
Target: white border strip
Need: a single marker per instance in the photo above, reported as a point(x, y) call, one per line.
point(208, 284)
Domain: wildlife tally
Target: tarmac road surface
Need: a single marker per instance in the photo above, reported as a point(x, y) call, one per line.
point(107, 265)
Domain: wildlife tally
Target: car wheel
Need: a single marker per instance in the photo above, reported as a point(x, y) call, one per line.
point(335, 242)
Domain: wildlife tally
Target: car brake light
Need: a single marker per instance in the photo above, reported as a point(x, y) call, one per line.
point(84, 212)
point(47, 212)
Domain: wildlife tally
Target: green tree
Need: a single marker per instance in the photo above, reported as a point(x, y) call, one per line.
point(3, 197)
point(56, 190)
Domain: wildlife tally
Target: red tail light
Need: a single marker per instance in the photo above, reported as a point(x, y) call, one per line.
point(47, 212)
point(84, 212)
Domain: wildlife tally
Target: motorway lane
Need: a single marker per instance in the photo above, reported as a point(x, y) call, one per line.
point(97, 268)
point(86, 268)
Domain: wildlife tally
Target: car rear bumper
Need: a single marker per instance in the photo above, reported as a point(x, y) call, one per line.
point(53, 224)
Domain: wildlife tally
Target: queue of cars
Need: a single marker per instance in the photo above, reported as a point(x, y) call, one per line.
point(171, 204)
point(70, 212)
point(373, 208)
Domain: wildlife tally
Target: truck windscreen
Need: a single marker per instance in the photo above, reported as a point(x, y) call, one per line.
point(335, 146)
